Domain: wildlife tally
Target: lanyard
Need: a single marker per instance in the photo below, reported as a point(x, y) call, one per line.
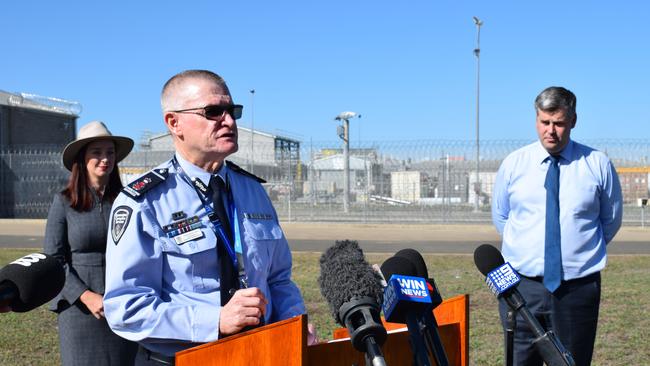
point(216, 225)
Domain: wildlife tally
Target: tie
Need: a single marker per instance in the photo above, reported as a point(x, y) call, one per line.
point(552, 247)
point(228, 274)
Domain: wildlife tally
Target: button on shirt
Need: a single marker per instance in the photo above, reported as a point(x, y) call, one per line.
point(591, 208)
point(165, 295)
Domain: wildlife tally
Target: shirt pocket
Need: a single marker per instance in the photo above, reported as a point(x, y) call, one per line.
point(585, 201)
point(192, 266)
point(260, 238)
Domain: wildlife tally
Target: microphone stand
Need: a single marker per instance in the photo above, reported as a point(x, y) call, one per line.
point(420, 354)
point(433, 340)
point(547, 344)
point(511, 324)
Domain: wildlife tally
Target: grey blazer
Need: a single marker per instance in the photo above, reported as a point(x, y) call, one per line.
point(78, 240)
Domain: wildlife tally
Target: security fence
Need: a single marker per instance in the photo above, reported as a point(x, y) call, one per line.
point(29, 178)
point(419, 181)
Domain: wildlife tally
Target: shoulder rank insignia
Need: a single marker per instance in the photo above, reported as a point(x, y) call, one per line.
point(238, 169)
point(141, 185)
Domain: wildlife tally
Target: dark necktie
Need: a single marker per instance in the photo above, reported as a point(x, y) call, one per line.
point(552, 240)
point(228, 274)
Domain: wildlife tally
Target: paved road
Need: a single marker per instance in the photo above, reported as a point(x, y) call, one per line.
point(21, 241)
point(445, 247)
point(368, 246)
point(316, 237)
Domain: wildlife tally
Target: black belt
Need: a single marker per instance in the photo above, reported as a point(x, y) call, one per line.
point(158, 357)
point(592, 277)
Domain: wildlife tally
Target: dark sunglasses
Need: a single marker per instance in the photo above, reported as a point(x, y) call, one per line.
point(216, 112)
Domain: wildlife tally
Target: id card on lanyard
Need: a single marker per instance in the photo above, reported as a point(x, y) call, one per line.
point(234, 251)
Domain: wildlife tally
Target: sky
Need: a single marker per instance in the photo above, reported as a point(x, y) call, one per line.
point(407, 67)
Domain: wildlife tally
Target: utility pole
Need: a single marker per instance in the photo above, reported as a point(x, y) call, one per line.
point(252, 160)
point(477, 53)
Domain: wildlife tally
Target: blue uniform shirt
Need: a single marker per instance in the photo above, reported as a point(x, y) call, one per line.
point(165, 294)
point(591, 208)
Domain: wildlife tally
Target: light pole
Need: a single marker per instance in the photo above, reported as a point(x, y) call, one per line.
point(252, 161)
point(477, 53)
point(345, 136)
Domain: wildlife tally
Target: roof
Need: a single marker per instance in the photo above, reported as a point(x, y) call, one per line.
point(335, 162)
point(248, 130)
point(32, 101)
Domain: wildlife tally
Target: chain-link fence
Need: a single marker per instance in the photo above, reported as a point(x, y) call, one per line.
point(29, 178)
point(425, 181)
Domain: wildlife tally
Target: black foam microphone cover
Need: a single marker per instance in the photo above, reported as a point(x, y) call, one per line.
point(416, 258)
point(487, 258)
point(398, 266)
point(354, 293)
point(31, 281)
point(345, 275)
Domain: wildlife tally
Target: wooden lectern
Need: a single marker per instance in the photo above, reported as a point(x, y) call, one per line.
point(285, 343)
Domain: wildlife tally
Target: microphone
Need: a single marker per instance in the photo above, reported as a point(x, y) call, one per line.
point(353, 291)
point(30, 282)
point(428, 322)
point(406, 298)
point(421, 269)
point(502, 280)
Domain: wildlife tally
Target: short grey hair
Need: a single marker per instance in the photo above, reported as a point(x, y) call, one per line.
point(175, 81)
point(554, 98)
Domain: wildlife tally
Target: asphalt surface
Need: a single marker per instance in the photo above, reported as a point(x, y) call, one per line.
point(445, 247)
point(373, 238)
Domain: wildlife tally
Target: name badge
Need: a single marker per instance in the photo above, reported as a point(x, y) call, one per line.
point(188, 236)
point(257, 216)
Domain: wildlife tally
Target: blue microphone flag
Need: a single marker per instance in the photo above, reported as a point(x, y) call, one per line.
point(502, 278)
point(402, 294)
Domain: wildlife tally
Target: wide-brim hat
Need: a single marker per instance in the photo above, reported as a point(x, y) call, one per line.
point(93, 131)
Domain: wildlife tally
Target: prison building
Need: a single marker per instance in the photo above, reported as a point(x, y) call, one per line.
point(33, 131)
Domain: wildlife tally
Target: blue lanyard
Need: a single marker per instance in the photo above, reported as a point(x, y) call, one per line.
point(216, 225)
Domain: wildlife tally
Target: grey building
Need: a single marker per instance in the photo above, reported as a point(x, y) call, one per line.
point(33, 131)
point(272, 157)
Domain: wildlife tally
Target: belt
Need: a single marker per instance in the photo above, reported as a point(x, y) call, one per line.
point(158, 357)
point(592, 277)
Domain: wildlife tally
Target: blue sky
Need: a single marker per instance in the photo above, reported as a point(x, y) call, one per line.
point(406, 67)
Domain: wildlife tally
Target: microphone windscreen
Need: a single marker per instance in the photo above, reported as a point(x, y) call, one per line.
point(345, 274)
point(37, 278)
point(487, 258)
point(416, 258)
point(399, 266)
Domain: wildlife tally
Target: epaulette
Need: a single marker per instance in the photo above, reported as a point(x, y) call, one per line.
point(140, 186)
point(238, 169)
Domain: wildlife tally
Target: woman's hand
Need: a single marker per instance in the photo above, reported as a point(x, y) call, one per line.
point(94, 302)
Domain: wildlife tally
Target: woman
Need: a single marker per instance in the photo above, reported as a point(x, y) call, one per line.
point(76, 232)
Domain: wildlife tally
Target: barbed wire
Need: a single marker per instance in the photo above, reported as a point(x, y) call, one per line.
point(307, 183)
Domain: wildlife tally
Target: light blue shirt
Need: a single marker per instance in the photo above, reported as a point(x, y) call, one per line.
point(166, 295)
point(591, 208)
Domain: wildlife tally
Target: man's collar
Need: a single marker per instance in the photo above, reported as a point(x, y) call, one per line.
point(541, 154)
point(223, 172)
point(194, 171)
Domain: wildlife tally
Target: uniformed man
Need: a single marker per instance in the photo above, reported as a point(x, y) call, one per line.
point(196, 252)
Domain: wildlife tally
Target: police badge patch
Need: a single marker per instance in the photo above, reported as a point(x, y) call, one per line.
point(120, 221)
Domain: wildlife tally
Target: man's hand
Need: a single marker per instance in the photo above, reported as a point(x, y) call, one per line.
point(244, 308)
point(94, 302)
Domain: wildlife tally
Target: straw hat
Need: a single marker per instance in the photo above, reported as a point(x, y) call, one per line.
point(93, 131)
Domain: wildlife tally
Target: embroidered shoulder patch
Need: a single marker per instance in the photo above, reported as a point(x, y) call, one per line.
point(238, 169)
point(141, 185)
point(121, 218)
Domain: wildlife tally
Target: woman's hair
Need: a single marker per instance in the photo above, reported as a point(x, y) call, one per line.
point(79, 193)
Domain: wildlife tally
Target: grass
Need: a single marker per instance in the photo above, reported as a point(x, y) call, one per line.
point(624, 325)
